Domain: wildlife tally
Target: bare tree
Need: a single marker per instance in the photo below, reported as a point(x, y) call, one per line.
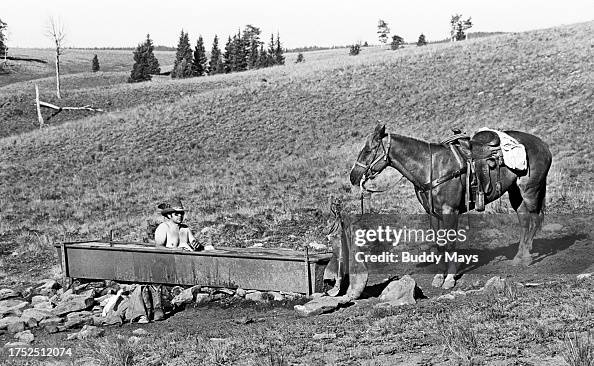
point(55, 31)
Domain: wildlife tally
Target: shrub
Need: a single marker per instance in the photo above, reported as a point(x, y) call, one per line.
point(355, 49)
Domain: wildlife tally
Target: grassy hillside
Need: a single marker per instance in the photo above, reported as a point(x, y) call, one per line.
point(72, 61)
point(273, 151)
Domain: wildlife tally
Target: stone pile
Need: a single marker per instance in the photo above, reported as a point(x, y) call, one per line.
point(50, 307)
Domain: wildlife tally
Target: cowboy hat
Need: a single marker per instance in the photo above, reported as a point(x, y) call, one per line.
point(170, 207)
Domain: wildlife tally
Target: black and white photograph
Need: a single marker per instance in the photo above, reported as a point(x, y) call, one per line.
point(297, 183)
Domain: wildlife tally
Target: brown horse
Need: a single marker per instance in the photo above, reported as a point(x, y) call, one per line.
point(439, 180)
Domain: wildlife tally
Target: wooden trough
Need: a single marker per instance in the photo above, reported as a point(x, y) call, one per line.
point(247, 268)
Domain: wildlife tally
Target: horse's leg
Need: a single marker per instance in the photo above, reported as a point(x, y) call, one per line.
point(530, 214)
point(450, 223)
point(441, 267)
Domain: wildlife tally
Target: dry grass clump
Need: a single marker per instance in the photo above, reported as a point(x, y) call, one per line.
point(578, 351)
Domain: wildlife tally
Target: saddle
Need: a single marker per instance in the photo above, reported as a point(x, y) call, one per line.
point(483, 145)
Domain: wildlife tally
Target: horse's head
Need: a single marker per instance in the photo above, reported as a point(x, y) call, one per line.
point(372, 159)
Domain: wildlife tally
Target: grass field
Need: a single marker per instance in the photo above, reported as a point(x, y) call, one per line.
point(259, 153)
point(282, 139)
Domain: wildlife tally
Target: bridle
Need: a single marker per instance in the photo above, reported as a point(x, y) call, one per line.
point(369, 167)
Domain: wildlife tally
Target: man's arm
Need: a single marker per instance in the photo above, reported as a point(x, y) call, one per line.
point(161, 235)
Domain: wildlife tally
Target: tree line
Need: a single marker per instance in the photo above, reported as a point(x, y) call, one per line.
point(243, 51)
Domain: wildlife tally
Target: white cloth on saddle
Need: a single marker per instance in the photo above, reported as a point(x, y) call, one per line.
point(514, 153)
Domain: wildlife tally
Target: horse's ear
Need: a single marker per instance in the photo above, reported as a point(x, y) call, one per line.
point(380, 131)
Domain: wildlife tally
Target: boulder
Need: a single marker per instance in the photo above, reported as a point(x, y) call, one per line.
point(186, 296)
point(5, 322)
point(39, 299)
point(321, 305)
point(15, 327)
point(25, 336)
point(30, 323)
point(12, 307)
point(48, 287)
point(400, 292)
point(46, 305)
point(87, 332)
point(7, 293)
point(257, 296)
point(72, 304)
point(240, 292)
point(37, 314)
point(50, 321)
point(202, 298)
point(140, 332)
point(276, 296)
point(495, 284)
point(583, 276)
point(51, 328)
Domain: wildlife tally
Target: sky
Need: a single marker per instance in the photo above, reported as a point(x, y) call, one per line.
point(120, 23)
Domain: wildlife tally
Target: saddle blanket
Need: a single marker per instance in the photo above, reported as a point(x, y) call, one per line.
point(514, 153)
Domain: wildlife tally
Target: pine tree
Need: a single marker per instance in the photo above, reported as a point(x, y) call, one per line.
point(278, 52)
point(153, 63)
point(228, 56)
point(199, 61)
point(397, 41)
point(240, 55)
point(95, 64)
point(3, 48)
point(263, 57)
point(216, 60)
point(422, 41)
point(271, 59)
point(383, 30)
point(251, 38)
point(300, 58)
point(182, 67)
point(140, 69)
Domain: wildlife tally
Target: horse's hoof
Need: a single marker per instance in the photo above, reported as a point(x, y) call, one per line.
point(437, 280)
point(522, 261)
point(449, 283)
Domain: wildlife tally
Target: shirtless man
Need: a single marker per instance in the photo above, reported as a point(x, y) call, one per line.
point(172, 233)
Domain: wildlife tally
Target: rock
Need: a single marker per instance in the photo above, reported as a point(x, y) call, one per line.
point(49, 287)
point(30, 323)
point(140, 332)
point(446, 297)
point(317, 295)
point(240, 292)
point(5, 322)
point(12, 306)
point(495, 284)
point(186, 296)
point(257, 245)
point(25, 336)
point(16, 345)
point(74, 323)
point(37, 314)
point(50, 321)
point(73, 304)
point(400, 292)
point(15, 327)
point(321, 305)
point(87, 332)
point(276, 296)
point(583, 276)
point(46, 305)
point(39, 299)
point(102, 300)
point(51, 328)
point(319, 336)
point(226, 291)
point(202, 299)
point(317, 246)
point(257, 296)
point(7, 293)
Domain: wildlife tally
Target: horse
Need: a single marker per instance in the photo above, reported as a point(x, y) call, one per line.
point(439, 179)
